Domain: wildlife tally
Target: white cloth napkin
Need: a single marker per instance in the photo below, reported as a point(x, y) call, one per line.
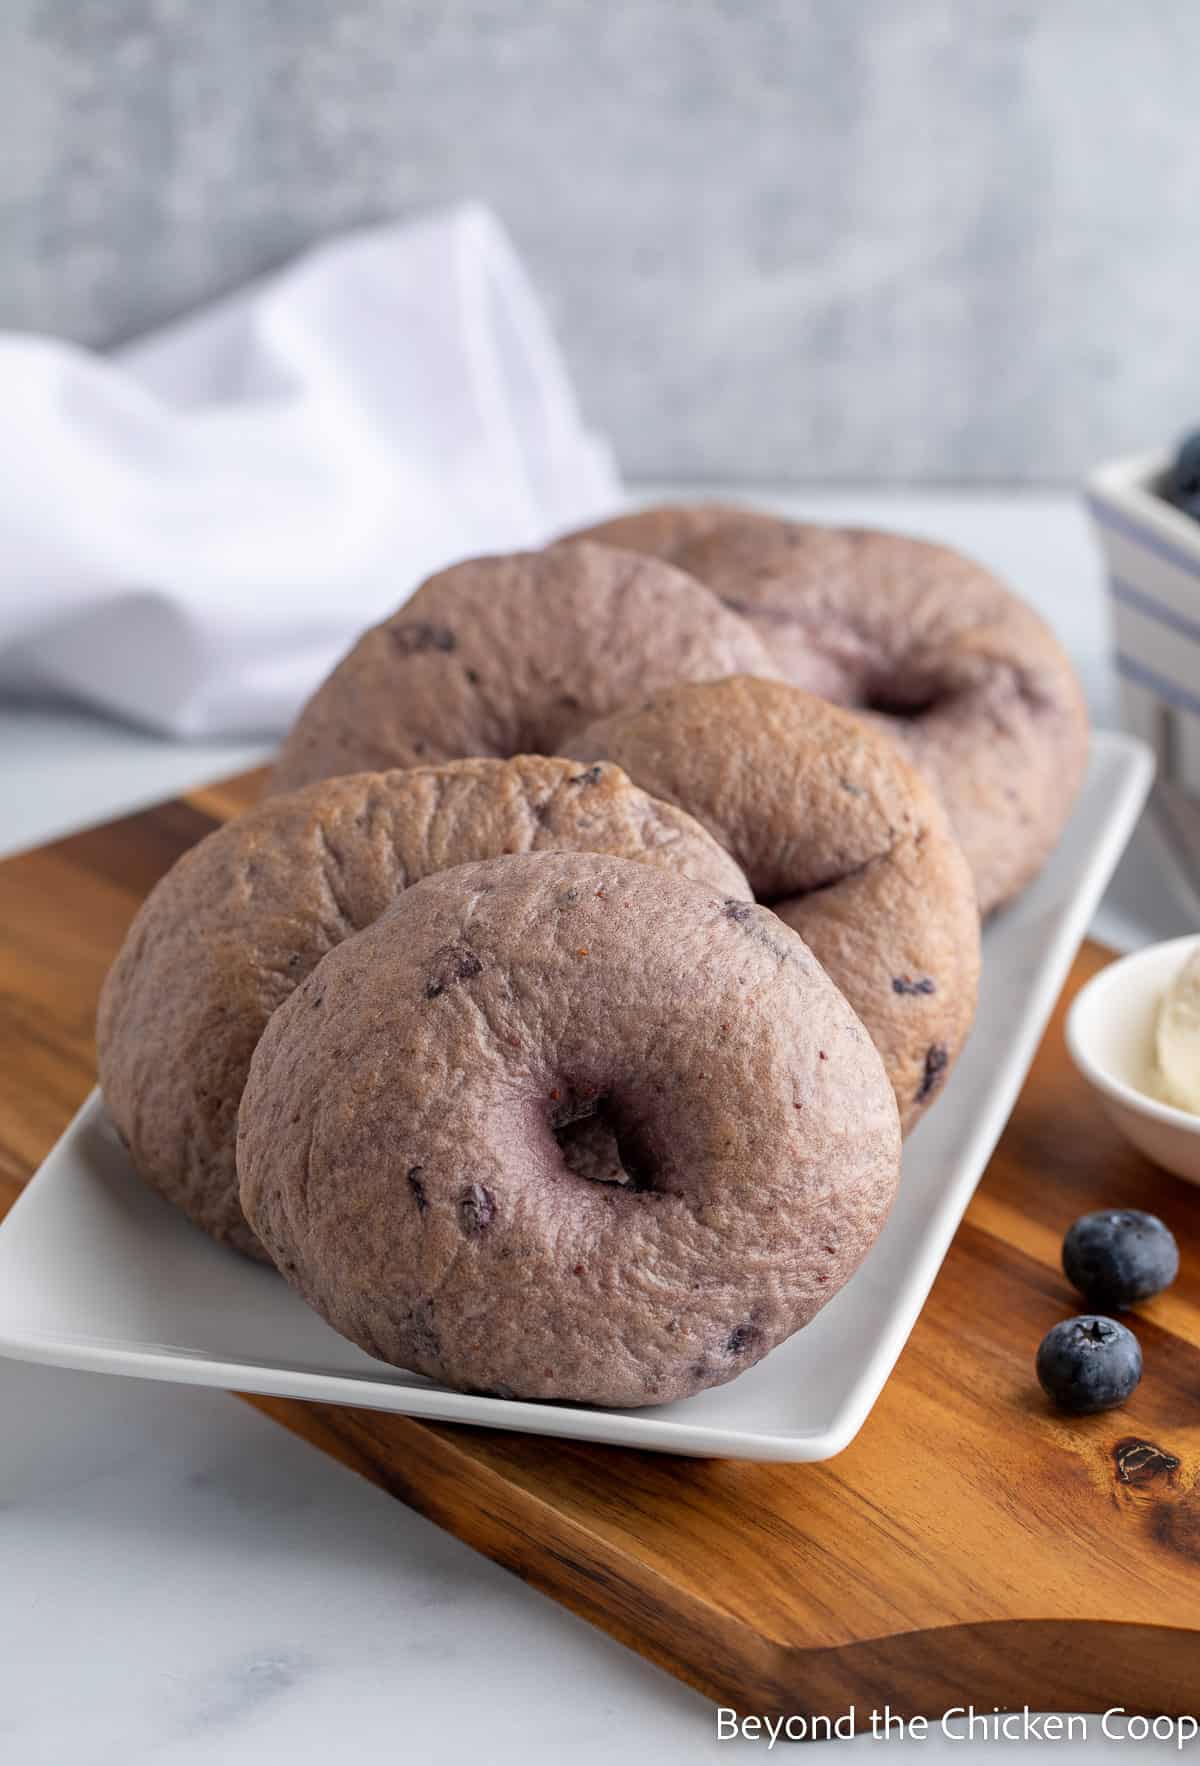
point(192, 531)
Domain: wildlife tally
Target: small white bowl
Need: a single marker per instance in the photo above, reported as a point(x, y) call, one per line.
point(1110, 1036)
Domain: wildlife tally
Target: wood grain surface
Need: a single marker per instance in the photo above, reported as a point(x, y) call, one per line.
point(970, 1546)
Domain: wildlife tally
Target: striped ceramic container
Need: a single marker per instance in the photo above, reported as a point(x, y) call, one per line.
point(1153, 555)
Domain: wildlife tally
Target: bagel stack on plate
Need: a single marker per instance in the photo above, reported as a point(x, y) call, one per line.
point(553, 1024)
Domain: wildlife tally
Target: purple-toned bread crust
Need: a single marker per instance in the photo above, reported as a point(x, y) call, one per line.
point(502, 656)
point(969, 681)
point(838, 833)
point(663, 531)
point(422, 1127)
point(239, 922)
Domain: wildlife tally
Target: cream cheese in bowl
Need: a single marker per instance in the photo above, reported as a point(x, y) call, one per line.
point(1177, 1039)
point(1134, 1034)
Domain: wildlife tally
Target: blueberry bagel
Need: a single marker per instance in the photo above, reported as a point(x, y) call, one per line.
point(409, 1137)
point(839, 835)
point(502, 656)
point(960, 671)
point(240, 920)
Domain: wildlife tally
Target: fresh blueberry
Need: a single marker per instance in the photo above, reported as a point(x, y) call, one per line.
point(1089, 1364)
point(1119, 1256)
point(1182, 483)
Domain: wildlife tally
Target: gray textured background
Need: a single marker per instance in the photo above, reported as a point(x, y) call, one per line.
point(780, 239)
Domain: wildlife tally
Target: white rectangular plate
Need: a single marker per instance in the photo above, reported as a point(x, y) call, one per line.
point(96, 1272)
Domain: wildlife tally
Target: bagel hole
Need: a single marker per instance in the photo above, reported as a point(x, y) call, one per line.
point(595, 1146)
point(891, 699)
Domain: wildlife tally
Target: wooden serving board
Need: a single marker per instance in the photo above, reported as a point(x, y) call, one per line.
point(970, 1546)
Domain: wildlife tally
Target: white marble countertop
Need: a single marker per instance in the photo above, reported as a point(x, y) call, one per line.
point(181, 1581)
